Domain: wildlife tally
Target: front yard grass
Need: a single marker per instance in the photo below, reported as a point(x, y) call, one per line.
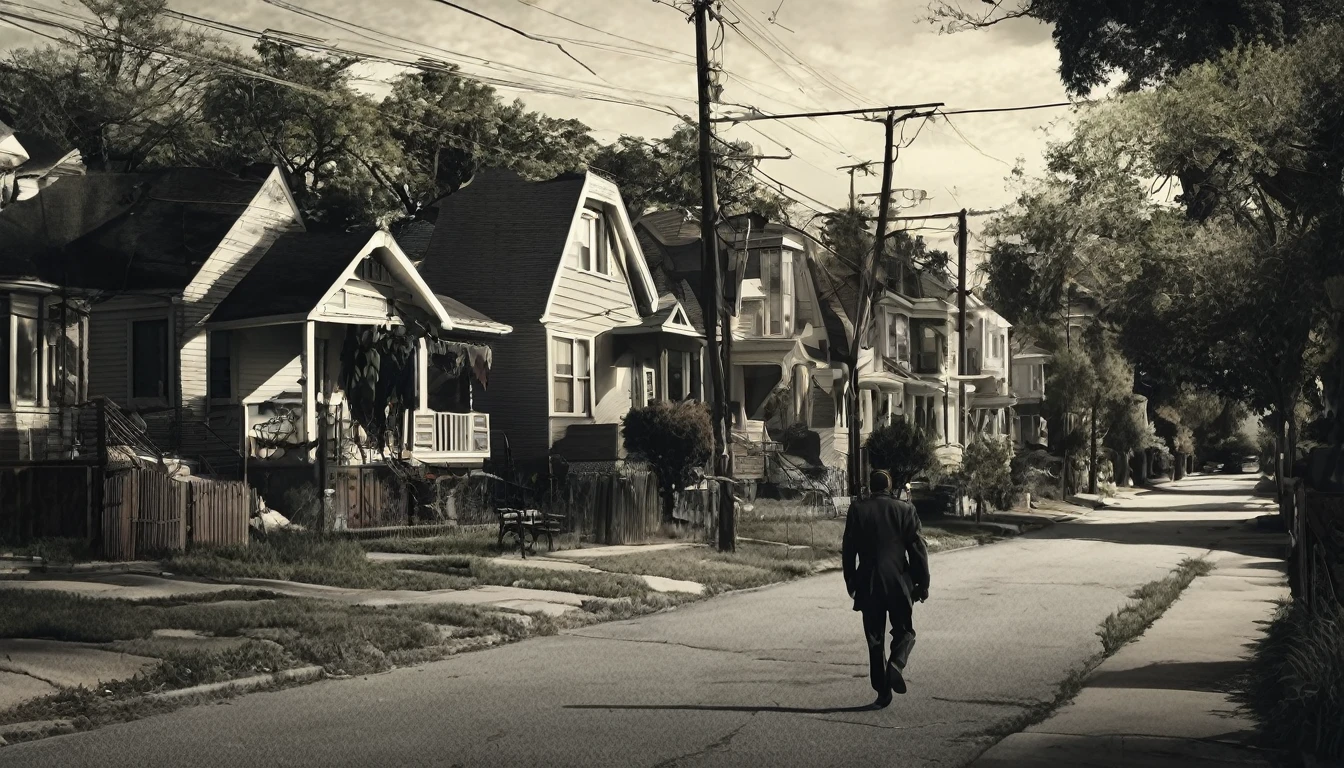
point(824, 536)
point(281, 633)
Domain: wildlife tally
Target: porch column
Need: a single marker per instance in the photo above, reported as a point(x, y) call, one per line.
point(422, 374)
point(309, 363)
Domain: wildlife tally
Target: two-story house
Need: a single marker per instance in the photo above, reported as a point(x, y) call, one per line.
point(988, 365)
point(1029, 427)
point(784, 333)
point(195, 303)
point(559, 262)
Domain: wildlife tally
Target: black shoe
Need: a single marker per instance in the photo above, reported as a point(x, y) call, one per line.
point(883, 701)
point(896, 679)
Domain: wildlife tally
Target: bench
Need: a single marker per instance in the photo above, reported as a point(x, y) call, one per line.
point(525, 526)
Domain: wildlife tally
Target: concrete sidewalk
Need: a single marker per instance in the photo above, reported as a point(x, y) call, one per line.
point(1163, 700)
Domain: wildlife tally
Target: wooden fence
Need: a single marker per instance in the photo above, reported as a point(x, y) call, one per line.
point(148, 513)
point(1317, 524)
point(39, 501)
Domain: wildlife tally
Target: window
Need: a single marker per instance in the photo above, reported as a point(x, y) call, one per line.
point(751, 322)
point(221, 366)
point(777, 283)
point(677, 365)
point(592, 248)
point(26, 359)
point(373, 270)
point(570, 361)
point(1038, 378)
point(898, 337)
point(649, 378)
point(5, 321)
point(149, 359)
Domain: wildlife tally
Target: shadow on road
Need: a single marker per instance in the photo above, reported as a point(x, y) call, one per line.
point(1225, 535)
point(725, 708)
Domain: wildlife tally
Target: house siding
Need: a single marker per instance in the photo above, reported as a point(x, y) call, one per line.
point(516, 397)
point(270, 362)
point(270, 214)
point(588, 305)
point(110, 344)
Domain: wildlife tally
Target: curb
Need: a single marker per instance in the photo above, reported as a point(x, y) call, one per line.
point(49, 727)
point(300, 674)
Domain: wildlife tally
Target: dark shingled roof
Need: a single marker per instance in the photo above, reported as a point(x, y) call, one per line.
point(294, 275)
point(459, 311)
point(413, 237)
point(114, 231)
point(498, 241)
point(675, 270)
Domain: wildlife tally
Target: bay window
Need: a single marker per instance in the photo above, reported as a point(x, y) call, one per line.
point(572, 375)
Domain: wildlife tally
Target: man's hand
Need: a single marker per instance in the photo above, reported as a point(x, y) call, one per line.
point(922, 594)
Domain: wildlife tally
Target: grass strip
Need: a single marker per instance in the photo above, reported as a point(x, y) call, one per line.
point(1120, 628)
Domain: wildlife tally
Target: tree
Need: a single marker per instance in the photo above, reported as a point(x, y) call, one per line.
point(902, 449)
point(1147, 41)
point(665, 173)
point(449, 127)
point(986, 472)
point(307, 119)
point(123, 88)
point(675, 439)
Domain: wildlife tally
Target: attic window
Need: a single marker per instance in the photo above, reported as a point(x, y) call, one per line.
point(373, 270)
point(593, 248)
point(679, 317)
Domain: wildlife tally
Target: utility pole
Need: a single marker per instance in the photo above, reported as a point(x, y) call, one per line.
point(865, 168)
point(863, 301)
point(717, 353)
point(961, 326)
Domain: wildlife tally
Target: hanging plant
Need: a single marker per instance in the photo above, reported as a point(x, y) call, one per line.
point(378, 376)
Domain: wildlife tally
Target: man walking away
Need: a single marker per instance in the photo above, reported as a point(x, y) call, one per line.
point(886, 571)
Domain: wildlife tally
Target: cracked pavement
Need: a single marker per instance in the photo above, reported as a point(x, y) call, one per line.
point(767, 677)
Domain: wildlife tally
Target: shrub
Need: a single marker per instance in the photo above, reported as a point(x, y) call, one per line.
point(986, 471)
point(1296, 686)
point(903, 449)
point(675, 439)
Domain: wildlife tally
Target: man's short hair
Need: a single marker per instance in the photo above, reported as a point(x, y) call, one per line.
point(880, 481)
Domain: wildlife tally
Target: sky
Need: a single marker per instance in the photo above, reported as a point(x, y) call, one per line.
point(884, 52)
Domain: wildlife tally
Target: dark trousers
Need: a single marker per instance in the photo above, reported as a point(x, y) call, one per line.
point(902, 640)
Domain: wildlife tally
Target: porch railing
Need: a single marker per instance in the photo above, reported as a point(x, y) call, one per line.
point(465, 434)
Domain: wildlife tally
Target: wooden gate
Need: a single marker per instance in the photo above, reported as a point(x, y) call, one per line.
point(144, 513)
point(220, 510)
point(148, 513)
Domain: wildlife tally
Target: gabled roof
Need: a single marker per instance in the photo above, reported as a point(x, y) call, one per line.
point(499, 241)
point(675, 270)
point(293, 275)
point(301, 270)
point(467, 319)
point(670, 317)
point(113, 231)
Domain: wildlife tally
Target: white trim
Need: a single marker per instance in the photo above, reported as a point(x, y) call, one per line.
point(599, 190)
point(257, 322)
point(169, 346)
point(401, 268)
point(591, 341)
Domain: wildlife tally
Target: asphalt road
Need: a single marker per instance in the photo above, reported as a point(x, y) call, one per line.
point(756, 678)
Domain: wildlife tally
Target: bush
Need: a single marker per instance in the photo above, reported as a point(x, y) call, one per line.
point(1296, 686)
point(902, 449)
point(986, 471)
point(676, 439)
point(303, 506)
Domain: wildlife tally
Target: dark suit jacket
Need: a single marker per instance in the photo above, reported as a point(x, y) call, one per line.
point(886, 562)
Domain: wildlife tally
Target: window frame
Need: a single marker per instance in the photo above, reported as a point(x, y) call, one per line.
point(210, 357)
point(574, 376)
point(593, 229)
point(169, 389)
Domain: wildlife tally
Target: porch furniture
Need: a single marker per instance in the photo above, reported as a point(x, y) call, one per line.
point(525, 526)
